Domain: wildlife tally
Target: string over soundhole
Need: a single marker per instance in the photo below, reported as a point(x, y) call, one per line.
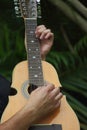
point(31, 88)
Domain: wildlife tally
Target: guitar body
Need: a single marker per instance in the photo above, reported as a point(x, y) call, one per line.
point(63, 115)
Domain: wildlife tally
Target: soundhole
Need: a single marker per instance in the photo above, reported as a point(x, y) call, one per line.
point(27, 88)
point(31, 88)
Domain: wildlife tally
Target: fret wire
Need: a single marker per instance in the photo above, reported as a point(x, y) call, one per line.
point(35, 68)
point(37, 61)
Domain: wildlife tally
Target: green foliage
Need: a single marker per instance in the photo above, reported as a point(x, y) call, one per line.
point(72, 70)
point(81, 47)
point(11, 50)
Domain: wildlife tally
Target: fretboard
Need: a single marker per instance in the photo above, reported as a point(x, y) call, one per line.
point(33, 53)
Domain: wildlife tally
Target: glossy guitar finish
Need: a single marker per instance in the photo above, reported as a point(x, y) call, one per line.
point(64, 116)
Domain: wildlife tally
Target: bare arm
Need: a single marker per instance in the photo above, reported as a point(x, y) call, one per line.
point(42, 101)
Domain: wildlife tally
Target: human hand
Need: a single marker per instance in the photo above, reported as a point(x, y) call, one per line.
point(46, 38)
point(44, 100)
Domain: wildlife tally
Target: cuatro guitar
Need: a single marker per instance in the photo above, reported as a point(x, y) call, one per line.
point(34, 72)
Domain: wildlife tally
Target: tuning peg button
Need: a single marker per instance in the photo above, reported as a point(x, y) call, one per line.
point(38, 0)
point(15, 3)
point(15, 0)
point(16, 8)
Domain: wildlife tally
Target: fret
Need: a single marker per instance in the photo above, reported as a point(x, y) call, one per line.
point(33, 53)
point(35, 82)
point(35, 65)
point(34, 74)
point(34, 59)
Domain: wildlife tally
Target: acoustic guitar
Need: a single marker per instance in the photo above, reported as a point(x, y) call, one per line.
point(35, 72)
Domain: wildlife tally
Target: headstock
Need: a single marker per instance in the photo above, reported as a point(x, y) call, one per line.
point(27, 8)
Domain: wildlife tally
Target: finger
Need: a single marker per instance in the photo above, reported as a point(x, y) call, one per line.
point(55, 92)
point(50, 87)
point(40, 27)
point(39, 30)
point(58, 104)
point(45, 33)
point(49, 35)
point(47, 88)
point(37, 89)
point(58, 97)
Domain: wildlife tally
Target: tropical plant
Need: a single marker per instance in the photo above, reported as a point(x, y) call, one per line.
point(11, 50)
point(75, 10)
point(72, 70)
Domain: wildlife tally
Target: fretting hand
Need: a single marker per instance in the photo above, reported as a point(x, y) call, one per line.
point(46, 38)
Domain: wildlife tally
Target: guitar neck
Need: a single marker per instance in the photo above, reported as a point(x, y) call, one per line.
point(33, 53)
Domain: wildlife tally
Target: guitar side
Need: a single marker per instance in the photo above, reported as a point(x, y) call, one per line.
point(63, 115)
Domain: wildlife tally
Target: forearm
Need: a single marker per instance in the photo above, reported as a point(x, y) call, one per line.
point(20, 121)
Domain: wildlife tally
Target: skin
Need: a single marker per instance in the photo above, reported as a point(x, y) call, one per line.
point(43, 100)
point(46, 39)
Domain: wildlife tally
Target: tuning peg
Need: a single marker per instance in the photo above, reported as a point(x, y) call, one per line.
point(38, 9)
point(16, 8)
point(38, 1)
point(17, 11)
point(18, 14)
point(16, 1)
